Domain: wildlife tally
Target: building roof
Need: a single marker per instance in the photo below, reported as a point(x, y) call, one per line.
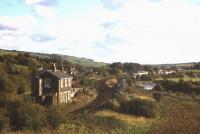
point(59, 74)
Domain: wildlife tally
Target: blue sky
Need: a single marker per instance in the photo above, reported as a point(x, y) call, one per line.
point(143, 31)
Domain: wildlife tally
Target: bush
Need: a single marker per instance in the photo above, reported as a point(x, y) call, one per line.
point(26, 116)
point(2, 99)
point(158, 87)
point(86, 82)
point(4, 120)
point(113, 105)
point(23, 86)
point(181, 86)
point(5, 83)
point(55, 116)
point(121, 97)
point(146, 78)
point(140, 107)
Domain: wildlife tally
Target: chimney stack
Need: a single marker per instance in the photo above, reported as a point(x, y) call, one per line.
point(62, 67)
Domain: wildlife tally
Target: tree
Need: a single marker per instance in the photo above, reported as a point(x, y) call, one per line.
point(132, 67)
point(116, 68)
point(196, 66)
point(146, 78)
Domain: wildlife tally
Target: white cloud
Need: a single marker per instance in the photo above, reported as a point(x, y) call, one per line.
point(41, 2)
point(157, 31)
point(30, 2)
point(43, 8)
point(142, 31)
point(19, 22)
point(114, 4)
point(45, 11)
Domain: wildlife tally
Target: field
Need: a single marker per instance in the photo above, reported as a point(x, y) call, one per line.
point(185, 79)
point(5, 52)
point(180, 114)
point(194, 71)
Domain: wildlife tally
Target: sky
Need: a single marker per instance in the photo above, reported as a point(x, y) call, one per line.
point(140, 31)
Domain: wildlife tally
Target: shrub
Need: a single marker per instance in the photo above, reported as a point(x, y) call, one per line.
point(2, 99)
point(25, 116)
point(5, 83)
point(86, 82)
point(146, 78)
point(55, 116)
point(158, 87)
point(121, 97)
point(4, 120)
point(140, 107)
point(23, 86)
point(113, 105)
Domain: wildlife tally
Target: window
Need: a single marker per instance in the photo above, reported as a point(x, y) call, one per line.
point(47, 83)
point(69, 82)
point(62, 83)
point(65, 82)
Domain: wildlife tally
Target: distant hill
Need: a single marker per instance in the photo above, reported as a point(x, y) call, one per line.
point(183, 65)
point(75, 60)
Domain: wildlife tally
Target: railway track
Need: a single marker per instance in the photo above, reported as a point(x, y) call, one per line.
point(102, 98)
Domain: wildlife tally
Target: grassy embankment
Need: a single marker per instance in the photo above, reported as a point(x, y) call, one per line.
point(180, 115)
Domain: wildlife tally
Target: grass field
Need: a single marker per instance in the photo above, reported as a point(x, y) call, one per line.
point(135, 124)
point(5, 52)
point(194, 71)
point(185, 79)
point(181, 116)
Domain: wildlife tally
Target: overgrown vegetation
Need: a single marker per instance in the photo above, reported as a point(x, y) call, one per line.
point(133, 105)
point(171, 108)
point(188, 87)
